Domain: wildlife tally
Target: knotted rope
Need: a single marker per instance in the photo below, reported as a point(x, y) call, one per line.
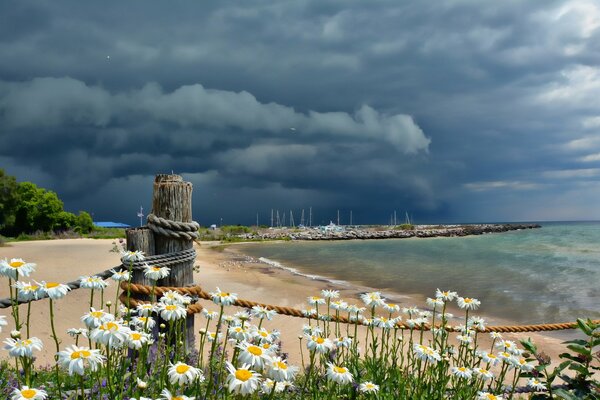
point(196, 291)
point(173, 229)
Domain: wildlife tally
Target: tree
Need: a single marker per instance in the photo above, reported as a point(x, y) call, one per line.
point(37, 210)
point(8, 200)
point(85, 224)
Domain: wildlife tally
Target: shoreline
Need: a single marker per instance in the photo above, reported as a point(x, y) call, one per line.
point(227, 267)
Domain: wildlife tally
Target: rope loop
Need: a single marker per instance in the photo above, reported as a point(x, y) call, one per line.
point(173, 229)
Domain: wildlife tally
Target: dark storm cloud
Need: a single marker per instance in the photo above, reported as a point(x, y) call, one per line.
point(453, 110)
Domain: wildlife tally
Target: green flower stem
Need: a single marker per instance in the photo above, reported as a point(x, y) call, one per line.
point(57, 343)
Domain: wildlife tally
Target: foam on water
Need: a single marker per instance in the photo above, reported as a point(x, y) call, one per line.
point(531, 276)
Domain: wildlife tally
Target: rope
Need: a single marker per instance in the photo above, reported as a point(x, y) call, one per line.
point(196, 291)
point(173, 229)
point(163, 260)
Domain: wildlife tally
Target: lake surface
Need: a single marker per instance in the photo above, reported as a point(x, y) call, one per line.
point(542, 275)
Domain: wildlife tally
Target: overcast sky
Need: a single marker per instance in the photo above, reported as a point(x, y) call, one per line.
point(462, 110)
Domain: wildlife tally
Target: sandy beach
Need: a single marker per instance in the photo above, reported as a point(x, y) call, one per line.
point(225, 267)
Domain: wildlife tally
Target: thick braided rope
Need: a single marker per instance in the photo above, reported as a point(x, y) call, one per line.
point(162, 260)
point(196, 291)
point(173, 229)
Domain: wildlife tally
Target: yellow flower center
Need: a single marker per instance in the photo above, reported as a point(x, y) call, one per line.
point(320, 340)
point(171, 307)
point(468, 300)
point(136, 336)
point(243, 374)
point(111, 326)
point(17, 264)
point(255, 350)
point(155, 269)
point(51, 285)
point(263, 334)
point(462, 369)
point(97, 314)
point(369, 385)
point(266, 346)
point(31, 287)
point(281, 365)
point(28, 393)
point(223, 294)
point(340, 370)
point(182, 369)
point(80, 354)
point(491, 396)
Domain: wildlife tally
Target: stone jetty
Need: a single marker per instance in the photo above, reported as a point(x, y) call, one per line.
point(381, 232)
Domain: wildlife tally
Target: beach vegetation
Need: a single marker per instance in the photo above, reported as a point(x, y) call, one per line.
point(26, 210)
point(404, 227)
point(380, 351)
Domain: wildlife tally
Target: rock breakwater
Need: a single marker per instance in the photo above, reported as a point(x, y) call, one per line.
point(364, 233)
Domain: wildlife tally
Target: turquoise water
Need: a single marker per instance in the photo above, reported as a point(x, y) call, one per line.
point(546, 275)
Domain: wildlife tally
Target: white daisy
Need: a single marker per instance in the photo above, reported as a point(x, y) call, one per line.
point(342, 342)
point(278, 370)
point(435, 303)
point(155, 273)
point(209, 315)
point(92, 282)
point(223, 298)
point(339, 305)
point(78, 359)
point(314, 300)
point(468, 303)
point(172, 297)
point(172, 312)
point(239, 333)
point(330, 294)
point(95, 318)
point(252, 355)
point(483, 373)
point(462, 372)
point(144, 322)
point(135, 340)
point(145, 309)
point(132, 256)
point(368, 387)
point(120, 276)
point(242, 380)
point(16, 268)
point(319, 344)
point(22, 347)
point(112, 334)
point(26, 291)
point(184, 374)
point(262, 312)
point(339, 374)
point(372, 299)
point(27, 393)
point(54, 290)
point(427, 353)
point(535, 384)
point(445, 295)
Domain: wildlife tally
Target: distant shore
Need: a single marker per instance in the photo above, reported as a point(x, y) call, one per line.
point(337, 232)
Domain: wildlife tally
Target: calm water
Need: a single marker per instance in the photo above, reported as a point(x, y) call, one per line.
point(550, 274)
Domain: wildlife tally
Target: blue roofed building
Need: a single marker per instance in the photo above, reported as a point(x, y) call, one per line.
point(111, 225)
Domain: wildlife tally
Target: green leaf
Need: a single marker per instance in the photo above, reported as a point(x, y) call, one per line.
point(564, 394)
point(580, 349)
point(569, 357)
point(584, 327)
point(529, 346)
point(577, 341)
point(579, 368)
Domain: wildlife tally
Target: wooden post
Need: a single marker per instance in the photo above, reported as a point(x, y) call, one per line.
point(141, 239)
point(172, 200)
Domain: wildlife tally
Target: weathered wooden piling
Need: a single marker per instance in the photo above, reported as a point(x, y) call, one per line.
point(171, 200)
